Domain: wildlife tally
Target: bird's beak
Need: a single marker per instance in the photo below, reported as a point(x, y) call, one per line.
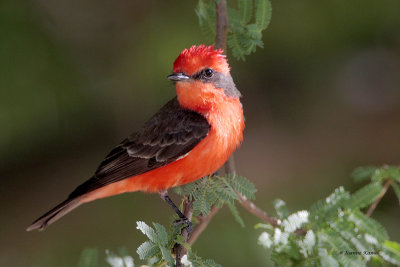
point(177, 77)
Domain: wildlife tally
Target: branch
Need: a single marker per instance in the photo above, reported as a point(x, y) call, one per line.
point(373, 205)
point(179, 249)
point(222, 24)
point(221, 38)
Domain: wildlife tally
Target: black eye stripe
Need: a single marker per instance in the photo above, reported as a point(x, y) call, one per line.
point(203, 74)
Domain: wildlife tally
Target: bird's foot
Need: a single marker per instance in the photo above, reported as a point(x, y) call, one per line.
point(182, 221)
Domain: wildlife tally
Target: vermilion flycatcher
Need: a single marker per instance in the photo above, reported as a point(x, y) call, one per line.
point(190, 137)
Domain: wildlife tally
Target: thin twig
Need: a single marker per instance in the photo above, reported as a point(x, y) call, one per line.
point(179, 249)
point(252, 208)
point(373, 205)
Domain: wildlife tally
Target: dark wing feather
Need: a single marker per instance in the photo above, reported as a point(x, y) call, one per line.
point(170, 134)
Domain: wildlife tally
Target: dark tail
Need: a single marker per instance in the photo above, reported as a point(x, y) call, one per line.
point(54, 214)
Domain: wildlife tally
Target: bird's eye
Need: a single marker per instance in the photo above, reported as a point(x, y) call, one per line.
point(208, 73)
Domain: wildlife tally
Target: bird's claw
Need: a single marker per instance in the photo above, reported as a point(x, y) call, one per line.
point(186, 221)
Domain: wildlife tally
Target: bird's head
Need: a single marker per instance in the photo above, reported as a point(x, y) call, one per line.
point(202, 78)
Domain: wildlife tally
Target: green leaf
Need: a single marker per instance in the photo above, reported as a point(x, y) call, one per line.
point(201, 203)
point(167, 256)
point(89, 258)
point(391, 252)
point(326, 259)
point(392, 172)
point(263, 13)
point(386, 172)
point(189, 189)
point(234, 43)
point(253, 32)
point(235, 214)
point(264, 226)
point(147, 230)
point(393, 246)
point(324, 211)
point(224, 191)
point(147, 250)
point(396, 189)
point(245, 10)
point(207, 19)
point(362, 173)
point(281, 209)
point(180, 240)
point(161, 234)
point(368, 225)
point(330, 240)
point(365, 196)
point(352, 235)
point(242, 185)
point(199, 262)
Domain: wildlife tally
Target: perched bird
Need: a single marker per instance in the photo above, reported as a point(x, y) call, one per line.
point(190, 137)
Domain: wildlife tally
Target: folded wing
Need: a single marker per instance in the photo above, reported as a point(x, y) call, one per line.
point(168, 136)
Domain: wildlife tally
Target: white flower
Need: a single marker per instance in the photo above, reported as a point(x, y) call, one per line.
point(308, 243)
point(265, 240)
point(280, 238)
point(116, 261)
point(295, 220)
point(185, 261)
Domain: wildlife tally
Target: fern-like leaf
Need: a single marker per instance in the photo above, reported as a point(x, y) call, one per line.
point(368, 225)
point(147, 250)
point(167, 256)
point(246, 10)
point(365, 196)
point(196, 261)
point(235, 213)
point(263, 13)
point(207, 19)
point(147, 230)
point(391, 252)
point(362, 173)
point(242, 185)
point(326, 259)
point(329, 239)
point(161, 234)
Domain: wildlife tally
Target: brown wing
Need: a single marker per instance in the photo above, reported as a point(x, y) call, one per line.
point(170, 134)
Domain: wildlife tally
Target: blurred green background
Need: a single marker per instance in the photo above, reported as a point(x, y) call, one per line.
point(76, 77)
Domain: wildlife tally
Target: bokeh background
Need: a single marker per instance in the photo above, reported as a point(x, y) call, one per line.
point(76, 77)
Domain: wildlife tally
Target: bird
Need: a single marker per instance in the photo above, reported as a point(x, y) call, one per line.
point(190, 137)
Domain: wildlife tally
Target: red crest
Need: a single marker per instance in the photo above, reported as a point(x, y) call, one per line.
point(200, 57)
